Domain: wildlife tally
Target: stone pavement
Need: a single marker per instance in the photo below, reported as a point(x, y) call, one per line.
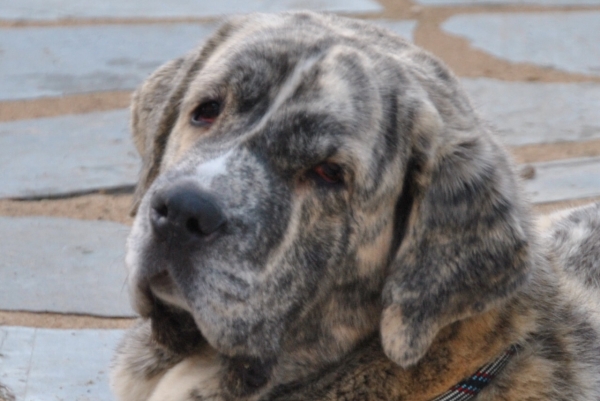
point(45, 364)
point(67, 155)
point(563, 41)
point(81, 270)
point(510, 2)
point(63, 300)
point(44, 10)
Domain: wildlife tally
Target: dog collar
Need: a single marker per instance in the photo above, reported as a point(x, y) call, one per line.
point(470, 387)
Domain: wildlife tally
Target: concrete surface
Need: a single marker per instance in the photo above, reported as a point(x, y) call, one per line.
point(565, 180)
point(511, 2)
point(51, 365)
point(63, 265)
point(566, 41)
point(47, 10)
point(68, 154)
point(59, 60)
point(526, 112)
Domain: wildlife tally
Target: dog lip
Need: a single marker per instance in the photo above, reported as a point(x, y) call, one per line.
point(163, 288)
point(141, 298)
point(175, 328)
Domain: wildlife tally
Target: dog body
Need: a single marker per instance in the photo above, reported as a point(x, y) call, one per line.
point(322, 216)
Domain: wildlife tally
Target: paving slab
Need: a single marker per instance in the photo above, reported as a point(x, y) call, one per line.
point(63, 265)
point(51, 365)
point(527, 113)
point(564, 180)
point(511, 2)
point(565, 41)
point(48, 10)
point(406, 29)
point(54, 61)
point(67, 155)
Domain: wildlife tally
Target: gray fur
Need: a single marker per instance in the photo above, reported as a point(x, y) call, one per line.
point(394, 282)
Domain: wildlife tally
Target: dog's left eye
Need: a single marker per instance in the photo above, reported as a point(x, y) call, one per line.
point(206, 113)
point(328, 174)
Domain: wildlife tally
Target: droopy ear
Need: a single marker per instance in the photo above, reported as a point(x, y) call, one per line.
point(156, 103)
point(153, 113)
point(465, 245)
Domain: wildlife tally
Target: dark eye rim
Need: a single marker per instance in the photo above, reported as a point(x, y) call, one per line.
point(206, 113)
point(328, 174)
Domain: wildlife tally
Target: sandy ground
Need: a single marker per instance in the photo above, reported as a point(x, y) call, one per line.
point(456, 52)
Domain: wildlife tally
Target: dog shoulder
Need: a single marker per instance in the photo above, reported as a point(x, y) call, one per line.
point(575, 241)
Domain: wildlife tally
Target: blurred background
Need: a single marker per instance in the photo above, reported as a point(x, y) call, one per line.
point(67, 165)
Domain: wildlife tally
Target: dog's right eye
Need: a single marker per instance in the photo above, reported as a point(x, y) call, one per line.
point(206, 113)
point(327, 174)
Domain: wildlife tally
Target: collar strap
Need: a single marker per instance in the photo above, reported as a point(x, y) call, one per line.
point(471, 386)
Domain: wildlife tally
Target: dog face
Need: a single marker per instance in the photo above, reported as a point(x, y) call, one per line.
point(310, 179)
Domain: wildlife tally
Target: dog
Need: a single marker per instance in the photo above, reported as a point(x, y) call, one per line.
point(321, 215)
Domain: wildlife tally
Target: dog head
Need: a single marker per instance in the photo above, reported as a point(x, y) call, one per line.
point(309, 180)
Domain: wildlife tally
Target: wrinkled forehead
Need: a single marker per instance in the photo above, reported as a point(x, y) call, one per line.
point(317, 68)
point(297, 96)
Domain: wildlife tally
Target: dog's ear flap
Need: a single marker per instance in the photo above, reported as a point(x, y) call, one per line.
point(155, 107)
point(153, 113)
point(464, 246)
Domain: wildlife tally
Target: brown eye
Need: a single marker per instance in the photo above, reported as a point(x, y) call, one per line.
point(206, 113)
point(328, 174)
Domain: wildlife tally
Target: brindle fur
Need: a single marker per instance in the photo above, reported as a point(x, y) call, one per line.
point(394, 285)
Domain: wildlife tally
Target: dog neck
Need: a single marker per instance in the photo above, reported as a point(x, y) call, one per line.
point(459, 350)
point(365, 372)
point(471, 386)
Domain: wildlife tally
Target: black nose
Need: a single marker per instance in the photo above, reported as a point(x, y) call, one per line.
point(185, 211)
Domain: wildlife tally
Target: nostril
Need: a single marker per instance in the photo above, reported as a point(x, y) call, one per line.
point(159, 213)
point(162, 210)
point(193, 226)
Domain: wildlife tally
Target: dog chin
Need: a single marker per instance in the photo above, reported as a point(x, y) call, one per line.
point(175, 324)
point(175, 328)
